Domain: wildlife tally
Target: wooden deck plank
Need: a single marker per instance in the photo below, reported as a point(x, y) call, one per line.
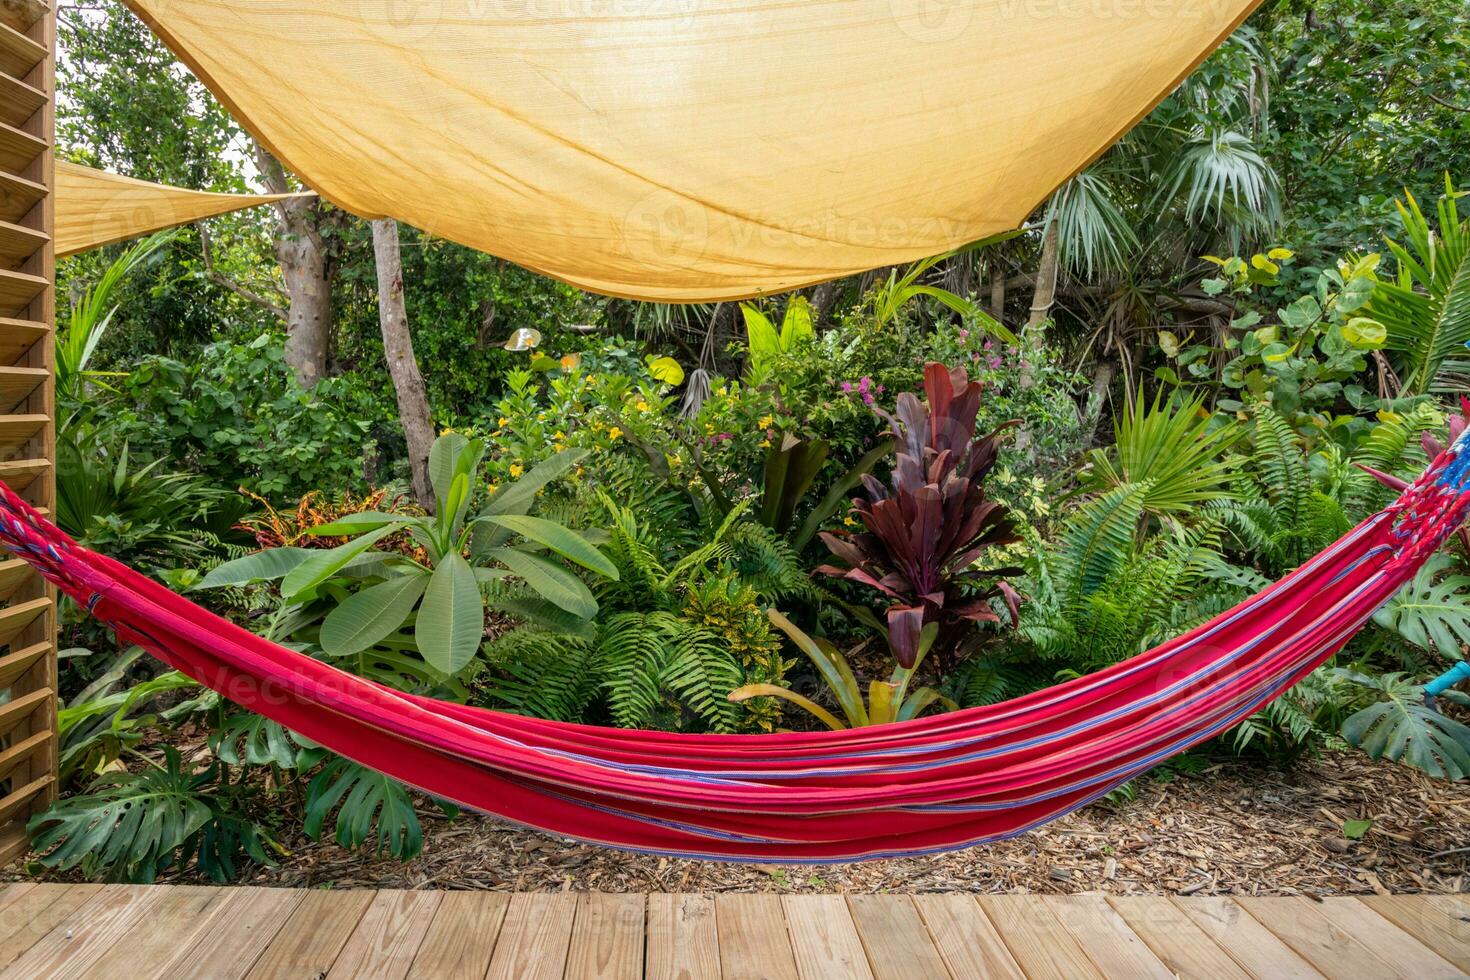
point(1332, 951)
point(1446, 935)
point(754, 942)
point(38, 911)
point(683, 941)
point(965, 937)
point(91, 931)
point(461, 939)
point(313, 935)
point(1256, 948)
point(824, 939)
point(387, 937)
point(1389, 943)
point(898, 944)
point(170, 923)
point(237, 931)
point(535, 938)
point(1106, 938)
point(77, 943)
point(1457, 907)
point(1175, 939)
point(607, 938)
point(1037, 939)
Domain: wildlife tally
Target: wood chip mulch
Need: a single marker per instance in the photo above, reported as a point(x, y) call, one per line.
point(1236, 828)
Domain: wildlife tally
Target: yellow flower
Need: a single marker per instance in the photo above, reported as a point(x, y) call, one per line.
point(559, 436)
point(643, 406)
point(447, 432)
point(571, 362)
point(849, 522)
point(493, 489)
point(504, 421)
point(516, 469)
point(765, 423)
point(765, 444)
point(614, 433)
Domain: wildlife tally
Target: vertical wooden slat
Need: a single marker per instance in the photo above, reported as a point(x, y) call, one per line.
point(26, 323)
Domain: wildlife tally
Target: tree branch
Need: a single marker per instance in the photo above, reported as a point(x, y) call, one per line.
point(249, 295)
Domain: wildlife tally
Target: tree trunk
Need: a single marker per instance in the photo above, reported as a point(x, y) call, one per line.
point(1046, 287)
point(997, 289)
point(303, 258)
point(408, 382)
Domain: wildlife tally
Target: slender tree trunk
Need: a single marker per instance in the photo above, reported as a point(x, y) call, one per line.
point(408, 382)
point(1046, 287)
point(997, 289)
point(303, 258)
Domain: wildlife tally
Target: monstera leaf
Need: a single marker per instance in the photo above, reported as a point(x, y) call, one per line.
point(1429, 613)
point(250, 739)
point(131, 826)
point(1403, 729)
point(369, 807)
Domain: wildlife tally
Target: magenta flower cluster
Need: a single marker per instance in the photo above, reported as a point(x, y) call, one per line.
point(865, 388)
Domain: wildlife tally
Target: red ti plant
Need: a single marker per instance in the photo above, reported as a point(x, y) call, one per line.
point(922, 538)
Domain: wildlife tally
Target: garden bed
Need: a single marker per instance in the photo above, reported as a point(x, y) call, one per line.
point(1237, 828)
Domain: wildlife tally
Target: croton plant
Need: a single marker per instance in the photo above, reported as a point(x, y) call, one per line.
point(924, 534)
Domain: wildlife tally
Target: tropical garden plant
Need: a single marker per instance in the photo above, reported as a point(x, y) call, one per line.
point(924, 534)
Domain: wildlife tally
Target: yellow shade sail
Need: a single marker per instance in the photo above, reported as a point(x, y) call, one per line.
point(94, 208)
point(685, 150)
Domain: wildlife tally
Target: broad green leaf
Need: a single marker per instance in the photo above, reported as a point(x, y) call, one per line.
point(1362, 331)
point(451, 621)
point(1355, 829)
point(347, 524)
point(370, 807)
point(322, 565)
point(369, 616)
point(263, 566)
point(444, 461)
point(562, 540)
point(796, 328)
point(550, 581)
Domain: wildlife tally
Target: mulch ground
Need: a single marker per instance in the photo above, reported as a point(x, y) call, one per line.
point(1236, 828)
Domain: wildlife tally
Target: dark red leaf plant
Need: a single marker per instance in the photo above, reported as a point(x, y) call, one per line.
point(924, 535)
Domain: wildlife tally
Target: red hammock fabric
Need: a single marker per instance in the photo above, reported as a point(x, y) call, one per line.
point(935, 784)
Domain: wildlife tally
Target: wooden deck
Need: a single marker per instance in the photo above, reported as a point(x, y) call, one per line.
point(118, 931)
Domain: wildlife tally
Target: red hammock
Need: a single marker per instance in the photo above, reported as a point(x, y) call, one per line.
point(938, 783)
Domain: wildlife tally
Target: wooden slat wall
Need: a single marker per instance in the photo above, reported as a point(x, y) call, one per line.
point(27, 436)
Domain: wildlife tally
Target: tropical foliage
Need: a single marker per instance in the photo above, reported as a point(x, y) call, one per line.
point(1231, 338)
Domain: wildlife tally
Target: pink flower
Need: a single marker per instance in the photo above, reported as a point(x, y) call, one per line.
point(964, 335)
point(994, 363)
point(847, 387)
